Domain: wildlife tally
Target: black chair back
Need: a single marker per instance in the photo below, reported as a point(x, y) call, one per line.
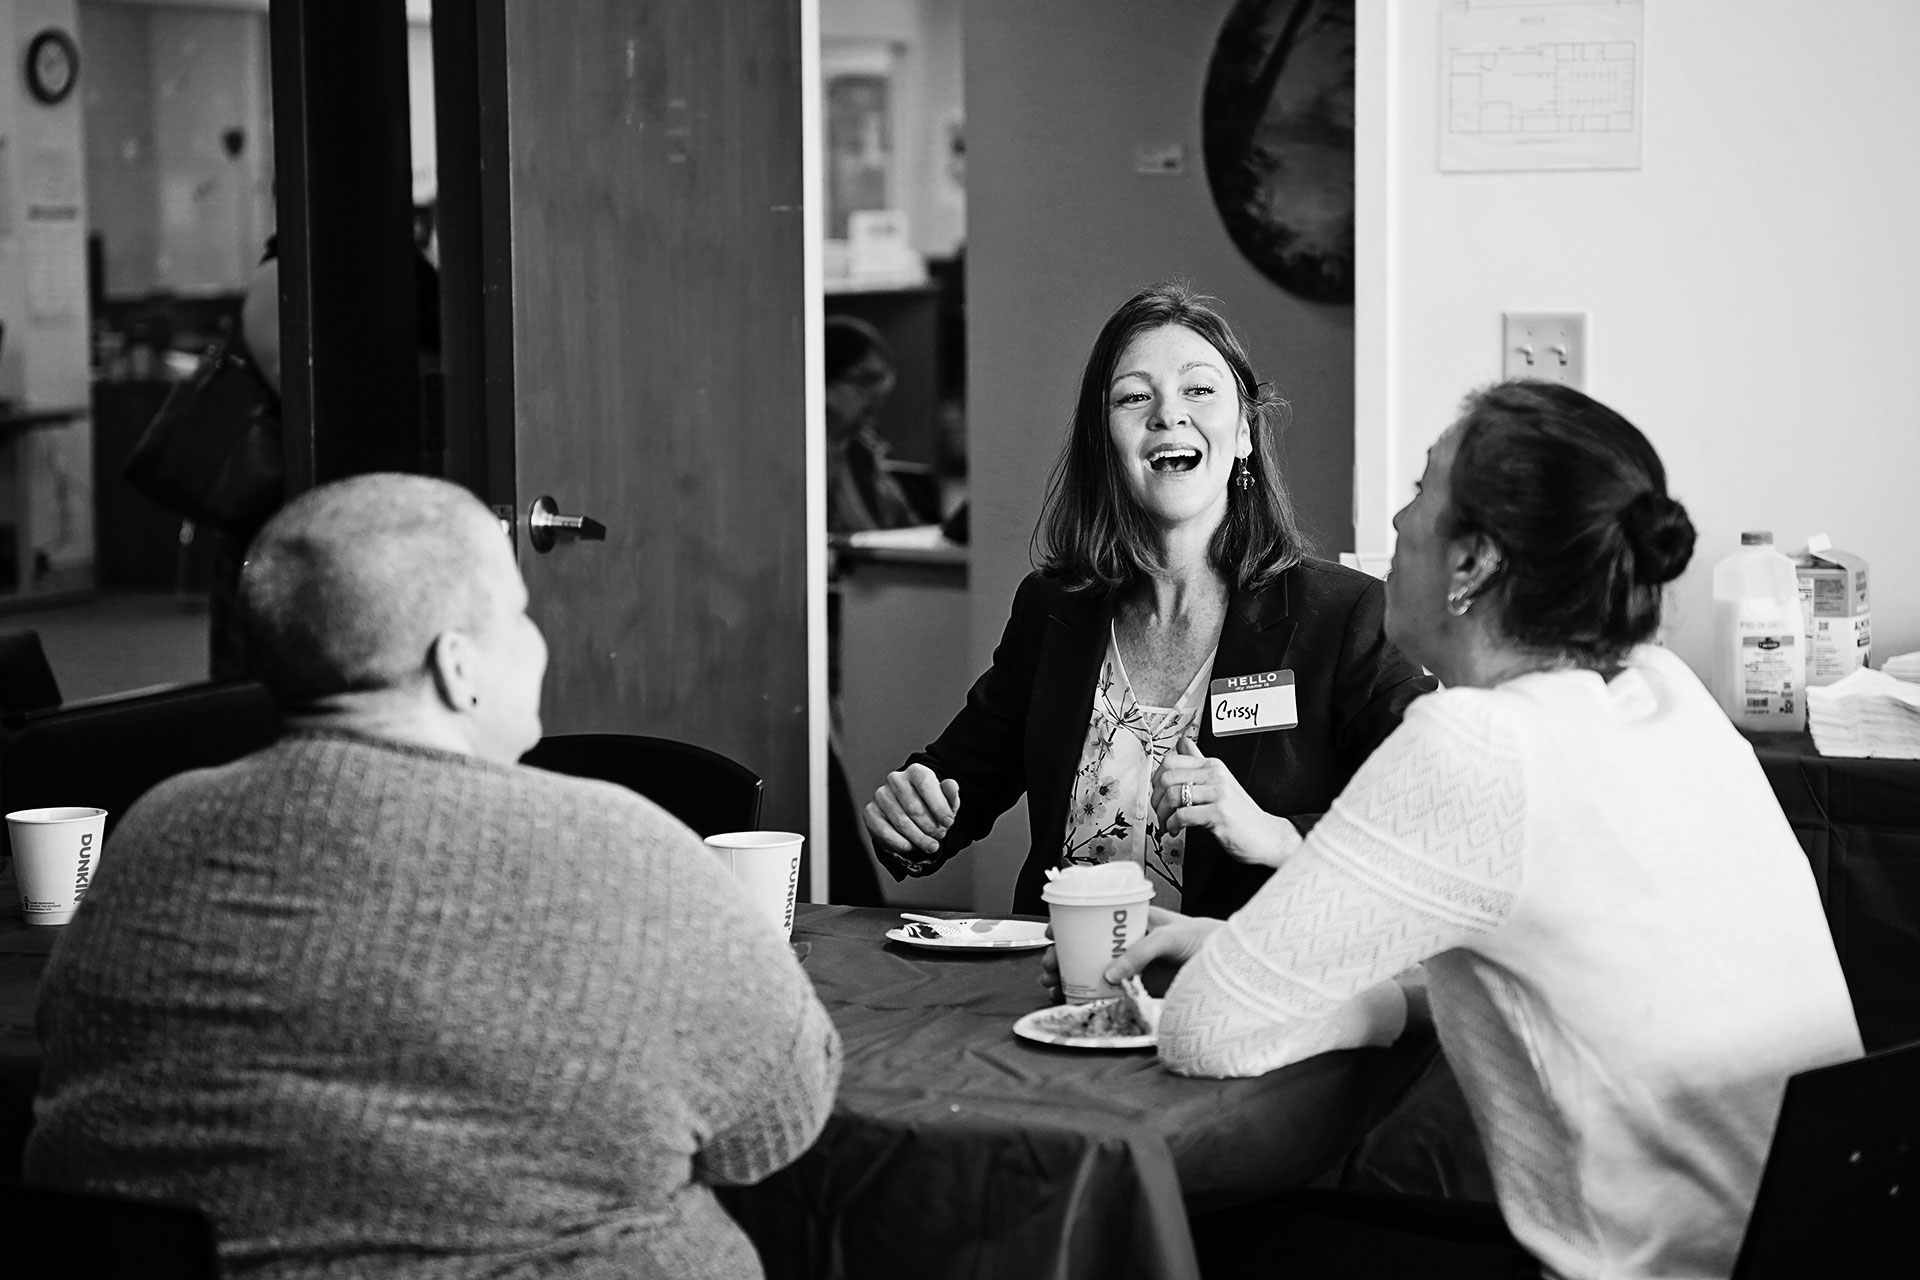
point(26, 679)
point(702, 788)
point(108, 753)
point(63, 1234)
point(1841, 1191)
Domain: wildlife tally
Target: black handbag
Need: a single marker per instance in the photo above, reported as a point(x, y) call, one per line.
point(212, 453)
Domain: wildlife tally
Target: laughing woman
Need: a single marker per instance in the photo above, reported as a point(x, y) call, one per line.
point(1179, 684)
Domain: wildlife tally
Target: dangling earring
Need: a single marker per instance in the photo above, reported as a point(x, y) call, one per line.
point(1242, 475)
point(1458, 602)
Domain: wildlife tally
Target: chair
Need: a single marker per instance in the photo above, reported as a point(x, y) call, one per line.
point(50, 1233)
point(26, 679)
point(111, 751)
point(1841, 1192)
point(702, 788)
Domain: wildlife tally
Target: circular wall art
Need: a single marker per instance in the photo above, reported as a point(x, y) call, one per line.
point(53, 66)
point(1277, 123)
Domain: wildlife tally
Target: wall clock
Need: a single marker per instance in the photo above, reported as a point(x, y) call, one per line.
point(53, 65)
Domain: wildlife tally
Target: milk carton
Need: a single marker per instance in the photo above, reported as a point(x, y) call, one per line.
point(1833, 596)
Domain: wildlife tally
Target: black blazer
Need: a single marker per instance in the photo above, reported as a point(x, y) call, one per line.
point(1026, 719)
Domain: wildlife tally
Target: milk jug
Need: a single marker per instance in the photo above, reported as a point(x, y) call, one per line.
point(1759, 638)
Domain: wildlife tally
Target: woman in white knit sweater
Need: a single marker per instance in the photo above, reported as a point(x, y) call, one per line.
point(1622, 941)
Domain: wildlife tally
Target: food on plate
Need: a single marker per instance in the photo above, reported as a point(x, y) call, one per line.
point(1099, 1020)
point(1145, 1007)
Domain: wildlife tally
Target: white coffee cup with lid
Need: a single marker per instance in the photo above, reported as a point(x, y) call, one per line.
point(1098, 911)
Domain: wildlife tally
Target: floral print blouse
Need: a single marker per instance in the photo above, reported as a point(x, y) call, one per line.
point(1111, 813)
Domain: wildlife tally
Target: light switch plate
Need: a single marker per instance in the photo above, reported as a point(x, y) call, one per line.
point(1548, 345)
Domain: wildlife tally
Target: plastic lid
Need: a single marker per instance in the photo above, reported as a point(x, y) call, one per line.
point(1098, 884)
point(1760, 539)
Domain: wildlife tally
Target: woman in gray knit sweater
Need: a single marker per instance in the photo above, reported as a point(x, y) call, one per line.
point(381, 1001)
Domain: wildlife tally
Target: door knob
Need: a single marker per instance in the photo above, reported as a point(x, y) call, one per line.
point(545, 524)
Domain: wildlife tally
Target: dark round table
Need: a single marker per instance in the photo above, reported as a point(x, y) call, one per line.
point(958, 1149)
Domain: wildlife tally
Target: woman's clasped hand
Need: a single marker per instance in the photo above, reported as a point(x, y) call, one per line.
point(1191, 790)
point(912, 813)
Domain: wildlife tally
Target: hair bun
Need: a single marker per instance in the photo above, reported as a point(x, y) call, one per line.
point(1661, 535)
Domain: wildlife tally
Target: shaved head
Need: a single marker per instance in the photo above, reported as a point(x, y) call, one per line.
point(347, 587)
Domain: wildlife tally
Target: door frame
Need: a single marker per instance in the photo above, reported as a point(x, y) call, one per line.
point(343, 196)
point(474, 221)
point(813, 234)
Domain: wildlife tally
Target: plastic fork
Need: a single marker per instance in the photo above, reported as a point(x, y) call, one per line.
point(977, 926)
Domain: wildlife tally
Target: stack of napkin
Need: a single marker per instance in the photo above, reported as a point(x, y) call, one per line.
point(1904, 667)
point(1869, 713)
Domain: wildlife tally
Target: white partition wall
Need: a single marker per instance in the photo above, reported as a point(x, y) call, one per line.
point(1750, 287)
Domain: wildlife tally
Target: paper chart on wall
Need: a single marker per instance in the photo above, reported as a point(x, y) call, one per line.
point(56, 278)
point(1542, 85)
point(53, 186)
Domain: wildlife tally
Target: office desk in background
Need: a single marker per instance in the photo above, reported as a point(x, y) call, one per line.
point(136, 541)
point(19, 572)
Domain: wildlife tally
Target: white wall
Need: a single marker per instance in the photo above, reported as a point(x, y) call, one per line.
point(43, 300)
point(216, 210)
point(926, 92)
point(161, 85)
point(1751, 288)
point(116, 91)
point(1061, 230)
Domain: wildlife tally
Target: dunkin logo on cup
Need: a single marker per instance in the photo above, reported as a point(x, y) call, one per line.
point(793, 886)
point(1119, 932)
point(84, 872)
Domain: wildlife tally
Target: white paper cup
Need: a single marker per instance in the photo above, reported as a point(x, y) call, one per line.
point(1089, 933)
point(767, 865)
point(55, 853)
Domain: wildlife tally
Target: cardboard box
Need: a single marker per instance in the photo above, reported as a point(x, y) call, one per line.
point(1833, 598)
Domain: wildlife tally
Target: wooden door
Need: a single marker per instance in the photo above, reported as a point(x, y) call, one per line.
point(629, 228)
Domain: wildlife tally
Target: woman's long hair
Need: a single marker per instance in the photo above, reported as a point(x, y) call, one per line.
point(1093, 533)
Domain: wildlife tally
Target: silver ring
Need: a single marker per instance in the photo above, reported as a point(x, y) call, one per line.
point(1186, 794)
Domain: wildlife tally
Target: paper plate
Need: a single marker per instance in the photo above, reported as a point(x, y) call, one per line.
point(972, 934)
point(1039, 1026)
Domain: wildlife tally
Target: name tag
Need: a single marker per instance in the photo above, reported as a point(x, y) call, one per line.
point(1252, 704)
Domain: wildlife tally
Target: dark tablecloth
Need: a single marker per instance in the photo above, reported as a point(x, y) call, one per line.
point(1859, 822)
point(957, 1149)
